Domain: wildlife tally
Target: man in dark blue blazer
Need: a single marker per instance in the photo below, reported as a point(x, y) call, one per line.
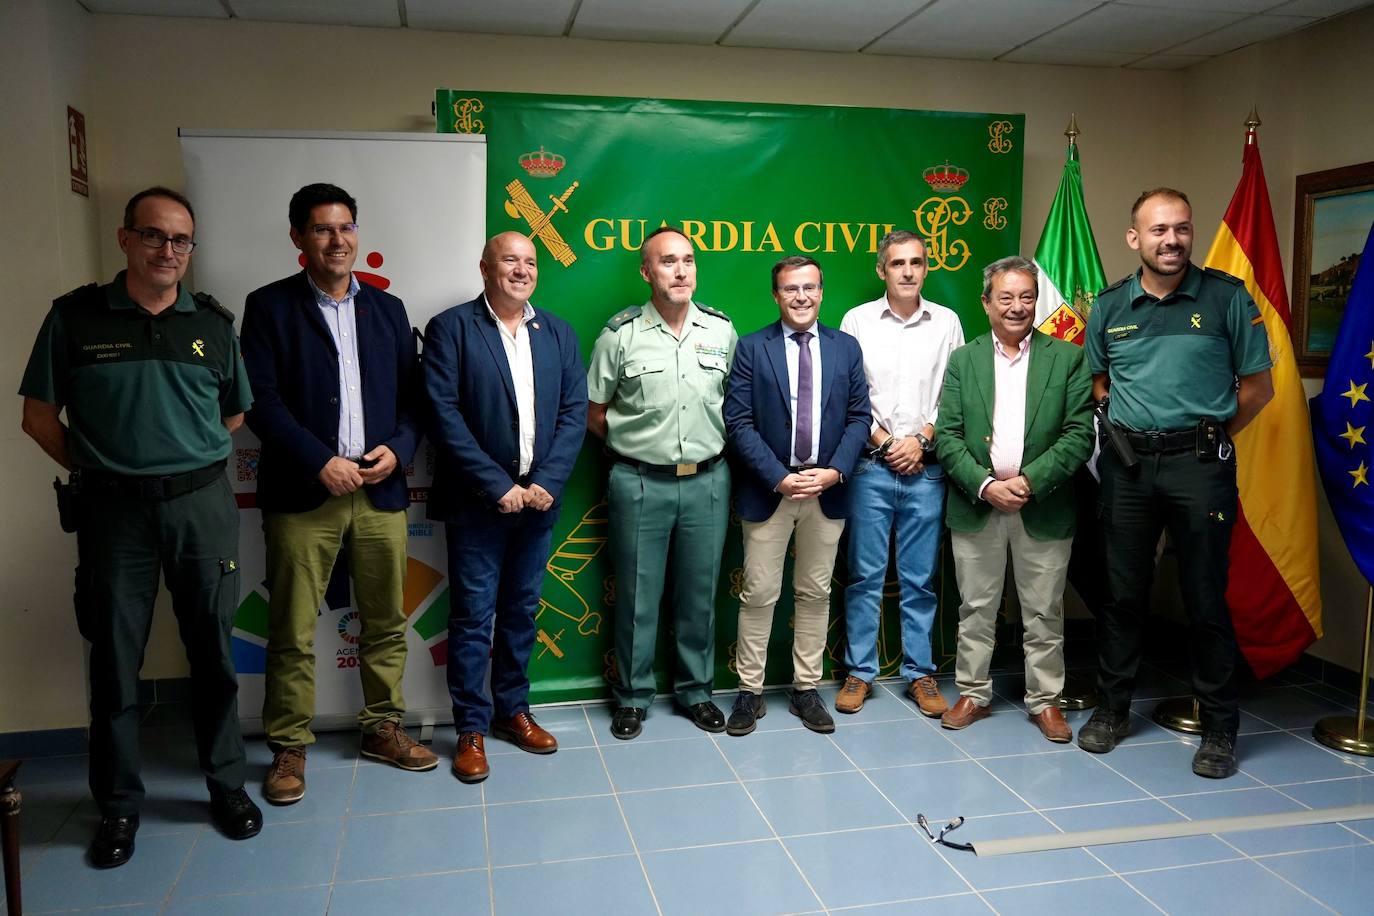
point(797, 414)
point(508, 402)
point(335, 363)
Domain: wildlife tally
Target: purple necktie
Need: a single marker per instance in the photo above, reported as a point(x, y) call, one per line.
point(802, 444)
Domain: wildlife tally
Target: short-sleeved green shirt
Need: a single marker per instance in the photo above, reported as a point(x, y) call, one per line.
point(145, 394)
point(664, 394)
point(1175, 360)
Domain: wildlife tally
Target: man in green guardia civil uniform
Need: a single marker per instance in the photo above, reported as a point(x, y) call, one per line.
point(152, 384)
point(656, 387)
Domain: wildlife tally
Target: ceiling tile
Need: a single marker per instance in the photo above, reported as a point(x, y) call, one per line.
point(938, 49)
point(200, 9)
point(1225, 6)
point(699, 22)
point(978, 24)
point(1074, 57)
point(527, 17)
point(1245, 32)
point(1168, 61)
point(1138, 29)
point(818, 25)
point(1319, 7)
point(375, 13)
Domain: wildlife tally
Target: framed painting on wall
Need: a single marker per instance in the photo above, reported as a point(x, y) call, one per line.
point(1332, 215)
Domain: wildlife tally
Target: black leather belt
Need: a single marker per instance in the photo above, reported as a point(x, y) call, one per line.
point(155, 489)
point(1160, 442)
point(688, 469)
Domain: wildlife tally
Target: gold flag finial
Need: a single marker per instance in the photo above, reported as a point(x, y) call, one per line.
point(1072, 130)
point(1252, 122)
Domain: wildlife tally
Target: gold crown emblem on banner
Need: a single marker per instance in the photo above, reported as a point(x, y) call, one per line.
point(945, 178)
point(542, 164)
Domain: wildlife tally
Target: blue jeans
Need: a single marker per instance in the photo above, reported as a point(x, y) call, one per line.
point(494, 575)
point(882, 501)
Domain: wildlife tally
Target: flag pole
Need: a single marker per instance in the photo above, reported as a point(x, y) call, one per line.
point(1080, 691)
point(1352, 734)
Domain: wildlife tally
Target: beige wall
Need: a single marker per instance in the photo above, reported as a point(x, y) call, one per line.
point(1139, 129)
point(47, 241)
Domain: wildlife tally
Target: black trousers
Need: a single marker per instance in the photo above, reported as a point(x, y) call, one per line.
point(1196, 502)
point(124, 543)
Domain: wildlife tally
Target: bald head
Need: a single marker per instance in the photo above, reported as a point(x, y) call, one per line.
point(509, 269)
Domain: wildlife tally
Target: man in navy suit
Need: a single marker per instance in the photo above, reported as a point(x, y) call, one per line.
point(508, 401)
point(797, 414)
point(333, 364)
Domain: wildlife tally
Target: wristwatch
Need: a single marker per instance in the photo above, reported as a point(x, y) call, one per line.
point(926, 444)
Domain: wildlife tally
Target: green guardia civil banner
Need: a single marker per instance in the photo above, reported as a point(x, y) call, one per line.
point(588, 177)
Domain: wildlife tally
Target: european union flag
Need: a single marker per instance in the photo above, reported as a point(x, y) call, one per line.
point(1343, 419)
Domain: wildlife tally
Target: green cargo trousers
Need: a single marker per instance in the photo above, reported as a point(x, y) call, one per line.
point(123, 543)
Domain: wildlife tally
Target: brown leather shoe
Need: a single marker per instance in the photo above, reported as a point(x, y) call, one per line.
point(852, 695)
point(927, 695)
point(1051, 723)
point(963, 714)
point(521, 730)
point(285, 782)
point(390, 744)
point(470, 763)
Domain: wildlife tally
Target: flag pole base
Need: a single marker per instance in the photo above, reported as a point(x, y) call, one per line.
point(1179, 714)
point(1343, 733)
point(1079, 693)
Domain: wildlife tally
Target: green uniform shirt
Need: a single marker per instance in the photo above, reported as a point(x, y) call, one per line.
point(664, 394)
point(1173, 361)
point(145, 394)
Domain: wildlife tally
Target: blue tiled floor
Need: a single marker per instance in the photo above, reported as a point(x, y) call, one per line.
point(781, 821)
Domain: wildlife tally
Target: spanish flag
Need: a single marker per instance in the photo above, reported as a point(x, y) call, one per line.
point(1274, 590)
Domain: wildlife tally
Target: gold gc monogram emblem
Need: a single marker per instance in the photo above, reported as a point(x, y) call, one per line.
point(933, 217)
point(998, 131)
point(992, 213)
point(463, 111)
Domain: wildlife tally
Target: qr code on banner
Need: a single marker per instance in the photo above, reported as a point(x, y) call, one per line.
point(246, 463)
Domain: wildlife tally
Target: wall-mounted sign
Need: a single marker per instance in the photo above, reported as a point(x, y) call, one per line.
point(76, 151)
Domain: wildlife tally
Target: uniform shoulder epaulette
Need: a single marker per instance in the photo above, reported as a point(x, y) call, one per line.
point(624, 316)
point(710, 310)
point(89, 292)
point(1117, 284)
point(207, 301)
point(1223, 275)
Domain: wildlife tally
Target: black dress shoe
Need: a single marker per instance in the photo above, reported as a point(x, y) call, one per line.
point(625, 724)
point(748, 709)
point(235, 814)
point(114, 841)
point(707, 716)
point(1102, 732)
point(807, 706)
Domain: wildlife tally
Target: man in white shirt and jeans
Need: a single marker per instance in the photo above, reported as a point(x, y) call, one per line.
point(899, 488)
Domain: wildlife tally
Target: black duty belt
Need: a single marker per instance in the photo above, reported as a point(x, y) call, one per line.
point(1159, 442)
point(154, 489)
point(688, 469)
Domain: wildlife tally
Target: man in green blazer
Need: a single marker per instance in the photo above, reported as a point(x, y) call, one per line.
point(1015, 423)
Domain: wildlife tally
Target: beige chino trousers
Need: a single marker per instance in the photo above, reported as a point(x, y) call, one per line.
point(765, 551)
point(1041, 570)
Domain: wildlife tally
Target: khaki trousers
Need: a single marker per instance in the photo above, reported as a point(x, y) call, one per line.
point(301, 549)
point(1040, 568)
point(765, 551)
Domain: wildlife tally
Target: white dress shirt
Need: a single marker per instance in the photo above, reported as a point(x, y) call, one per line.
point(521, 363)
point(340, 316)
point(1010, 369)
point(793, 370)
point(904, 361)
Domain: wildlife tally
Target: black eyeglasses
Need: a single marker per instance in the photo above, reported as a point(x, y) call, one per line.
point(154, 238)
point(940, 837)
